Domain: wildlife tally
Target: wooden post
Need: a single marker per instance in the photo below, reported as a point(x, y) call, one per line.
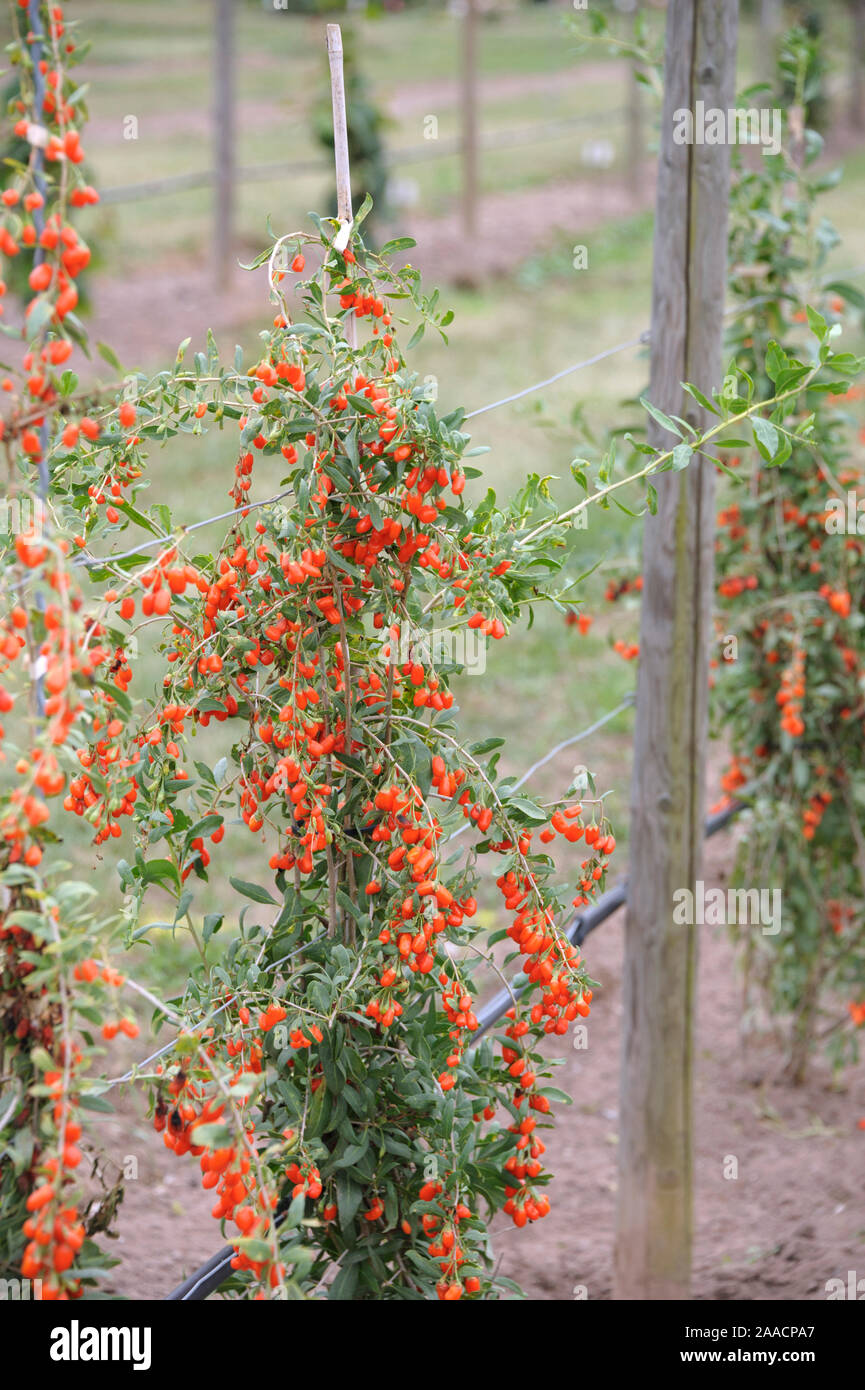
point(340, 146)
point(470, 125)
point(655, 1198)
point(223, 151)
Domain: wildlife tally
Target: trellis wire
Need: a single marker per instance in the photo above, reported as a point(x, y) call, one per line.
point(641, 338)
point(575, 738)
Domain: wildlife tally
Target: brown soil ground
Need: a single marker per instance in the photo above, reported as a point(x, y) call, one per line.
point(794, 1217)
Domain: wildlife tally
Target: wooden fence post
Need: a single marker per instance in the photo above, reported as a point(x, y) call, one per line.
point(223, 151)
point(655, 1199)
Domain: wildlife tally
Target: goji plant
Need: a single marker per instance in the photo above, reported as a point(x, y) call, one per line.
point(789, 694)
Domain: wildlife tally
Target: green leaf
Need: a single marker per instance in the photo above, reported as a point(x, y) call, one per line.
point(660, 418)
point(777, 361)
point(416, 337)
point(344, 1284)
point(849, 292)
point(399, 243)
point(528, 810)
point(252, 890)
point(701, 399)
point(551, 1093)
point(212, 922)
point(766, 437)
point(157, 870)
point(255, 1248)
point(352, 1155)
point(212, 1136)
point(349, 1196)
point(98, 1103)
point(139, 518)
point(110, 356)
point(478, 750)
point(363, 404)
point(259, 260)
point(364, 210)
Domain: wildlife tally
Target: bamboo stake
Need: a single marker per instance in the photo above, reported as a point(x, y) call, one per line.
point(340, 148)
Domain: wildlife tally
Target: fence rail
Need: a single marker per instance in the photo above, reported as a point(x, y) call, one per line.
point(533, 134)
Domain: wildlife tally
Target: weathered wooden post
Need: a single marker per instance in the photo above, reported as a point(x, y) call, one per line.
point(223, 141)
point(655, 1198)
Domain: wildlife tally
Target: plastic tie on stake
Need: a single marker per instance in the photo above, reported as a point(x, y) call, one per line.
point(341, 240)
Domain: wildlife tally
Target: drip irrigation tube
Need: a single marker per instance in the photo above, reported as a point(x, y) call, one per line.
point(207, 1278)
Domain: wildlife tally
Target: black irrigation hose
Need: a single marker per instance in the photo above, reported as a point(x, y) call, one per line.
point(208, 1277)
